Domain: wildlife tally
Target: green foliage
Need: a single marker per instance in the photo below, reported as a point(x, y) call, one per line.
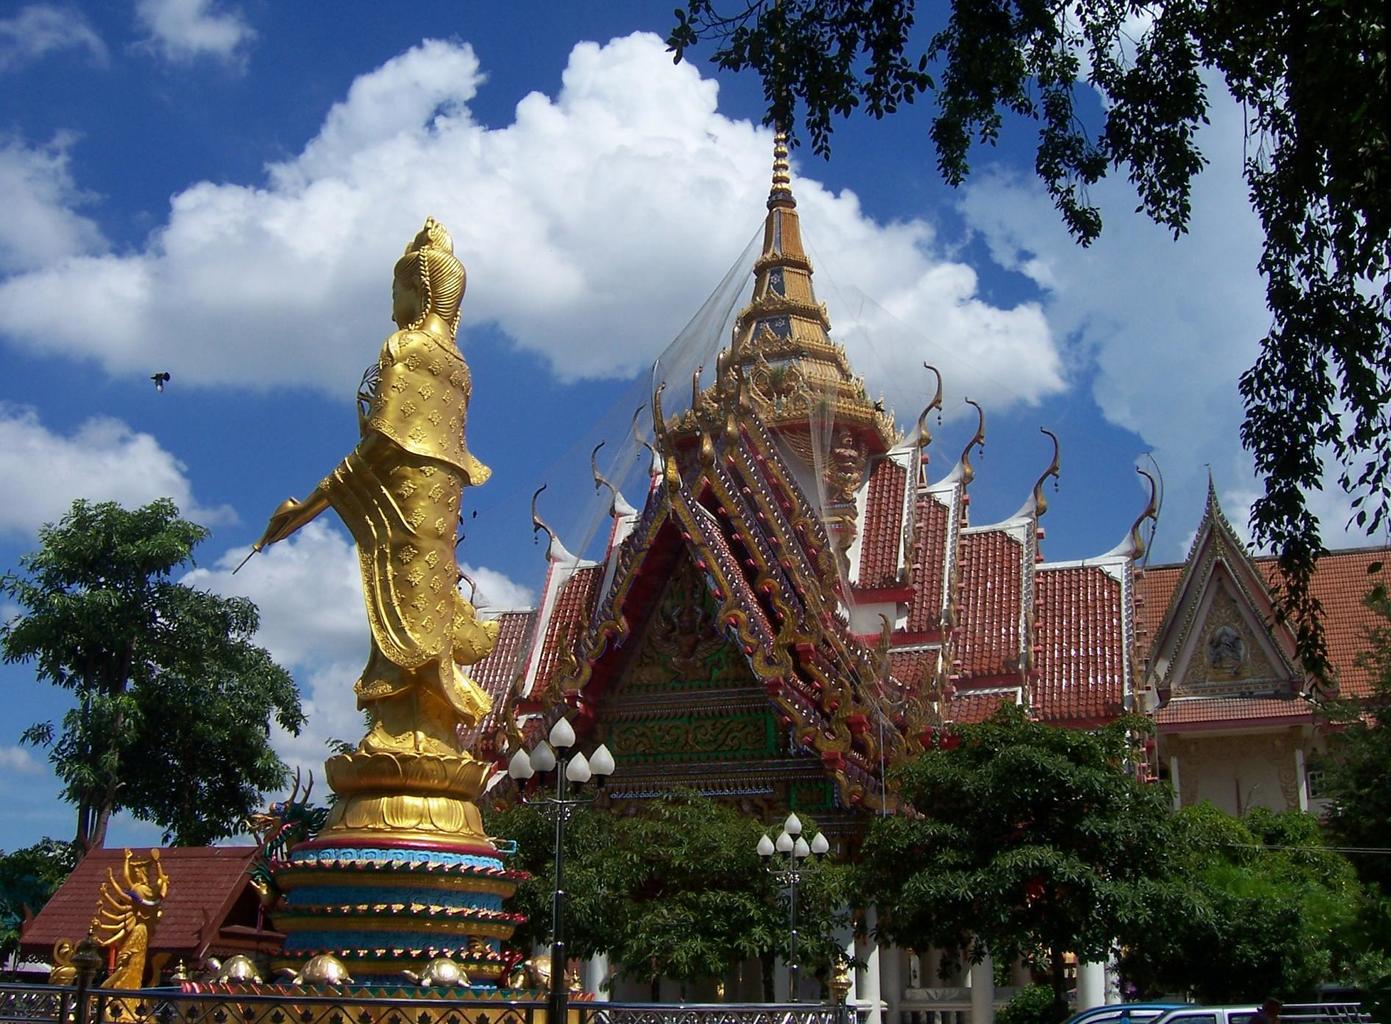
point(1272, 908)
point(1030, 840)
point(1312, 79)
point(28, 877)
point(172, 697)
point(1032, 1005)
point(675, 892)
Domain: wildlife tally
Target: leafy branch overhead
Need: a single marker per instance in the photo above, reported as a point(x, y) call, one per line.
point(1312, 78)
point(173, 699)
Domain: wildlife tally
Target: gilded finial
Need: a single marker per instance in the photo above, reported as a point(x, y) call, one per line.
point(781, 192)
point(1133, 546)
point(1040, 502)
point(968, 472)
point(924, 437)
point(695, 386)
point(555, 551)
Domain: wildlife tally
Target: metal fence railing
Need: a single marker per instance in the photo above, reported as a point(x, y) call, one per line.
point(44, 1004)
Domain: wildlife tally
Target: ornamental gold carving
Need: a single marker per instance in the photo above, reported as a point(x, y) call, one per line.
point(399, 492)
point(1226, 657)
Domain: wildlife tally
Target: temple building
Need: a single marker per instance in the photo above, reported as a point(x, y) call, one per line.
point(800, 603)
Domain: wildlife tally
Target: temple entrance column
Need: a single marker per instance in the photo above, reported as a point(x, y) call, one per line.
point(982, 979)
point(871, 995)
point(1091, 984)
point(596, 972)
point(891, 976)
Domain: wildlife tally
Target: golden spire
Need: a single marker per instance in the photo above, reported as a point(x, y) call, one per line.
point(781, 193)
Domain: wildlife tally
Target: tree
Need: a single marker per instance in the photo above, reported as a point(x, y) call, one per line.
point(28, 877)
point(675, 892)
point(172, 698)
point(1024, 840)
point(1271, 915)
point(1312, 78)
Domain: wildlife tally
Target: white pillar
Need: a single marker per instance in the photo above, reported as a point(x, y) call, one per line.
point(891, 980)
point(871, 994)
point(1173, 779)
point(1019, 974)
point(1301, 784)
point(983, 992)
point(596, 972)
point(1091, 984)
point(1113, 980)
point(846, 937)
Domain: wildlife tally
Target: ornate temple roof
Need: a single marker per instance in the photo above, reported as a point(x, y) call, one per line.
point(874, 611)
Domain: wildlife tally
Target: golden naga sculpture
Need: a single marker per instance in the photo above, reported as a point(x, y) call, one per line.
point(127, 911)
point(399, 493)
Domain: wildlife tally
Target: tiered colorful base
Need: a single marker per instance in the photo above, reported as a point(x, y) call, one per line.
point(384, 910)
point(401, 874)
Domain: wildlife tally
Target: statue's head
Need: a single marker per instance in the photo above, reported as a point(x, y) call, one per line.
point(429, 279)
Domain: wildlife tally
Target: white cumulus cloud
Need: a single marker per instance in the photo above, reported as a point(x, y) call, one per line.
point(183, 30)
point(19, 761)
point(1163, 327)
point(102, 460)
point(592, 226)
point(37, 30)
point(41, 226)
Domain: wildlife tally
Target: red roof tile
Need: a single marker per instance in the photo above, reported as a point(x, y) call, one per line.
point(911, 667)
point(1340, 583)
point(1233, 710)
point(568, 618)
point(204, 883)
point(1154, 588)
point(1081, 644)
point(882, 525)
point(987, 634)
point(930, 519)
point(967, 708)
point(497, 672)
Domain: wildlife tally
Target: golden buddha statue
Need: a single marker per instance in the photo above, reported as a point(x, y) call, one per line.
point(399, 493)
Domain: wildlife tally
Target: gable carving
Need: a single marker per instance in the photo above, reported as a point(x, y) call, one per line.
point(1226, 656)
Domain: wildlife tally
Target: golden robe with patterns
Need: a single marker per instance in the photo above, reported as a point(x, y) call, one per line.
point(399, 494)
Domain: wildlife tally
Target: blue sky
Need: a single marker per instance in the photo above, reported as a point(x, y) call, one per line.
point(219, 190)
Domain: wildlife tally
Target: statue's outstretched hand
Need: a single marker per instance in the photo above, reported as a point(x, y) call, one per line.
point(289, 517)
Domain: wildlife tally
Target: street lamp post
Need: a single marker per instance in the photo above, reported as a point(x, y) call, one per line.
point(556, 755)
point(784, 858)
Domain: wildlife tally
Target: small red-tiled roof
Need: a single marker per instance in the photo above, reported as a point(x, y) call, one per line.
point(930, 518)
point(987, 634)
point(204, 883)
point(1340, 582)
point(968, 708)
point(882, 525)
point(568, 618)
point(1081, 644)
point(1234, 710)
point(497, 672)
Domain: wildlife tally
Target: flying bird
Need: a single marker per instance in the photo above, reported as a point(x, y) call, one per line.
point(160, 380)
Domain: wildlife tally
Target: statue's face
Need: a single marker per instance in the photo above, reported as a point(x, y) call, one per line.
point(405, 302)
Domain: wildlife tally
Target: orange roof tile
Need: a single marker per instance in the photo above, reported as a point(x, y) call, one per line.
point(967, 708)
point(930, 519)
point(1081, 644)
point(204, 883)
point(1219, 711)
point(883, 525)
point(987, 636)
point(1154, 588)
point(1340, 583)
point(911, 668)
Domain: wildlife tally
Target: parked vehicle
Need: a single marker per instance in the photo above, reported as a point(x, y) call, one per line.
point(1291, 1013)
point(1124, 1013)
